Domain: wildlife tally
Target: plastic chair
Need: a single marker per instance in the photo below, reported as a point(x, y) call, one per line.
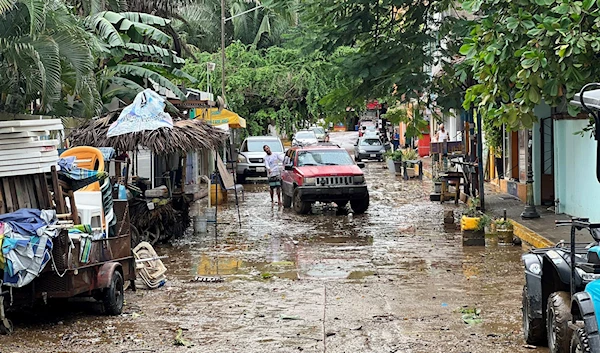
point(88, 158)
point(89, 208)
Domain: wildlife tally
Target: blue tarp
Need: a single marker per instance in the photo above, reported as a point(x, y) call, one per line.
point(26, 244)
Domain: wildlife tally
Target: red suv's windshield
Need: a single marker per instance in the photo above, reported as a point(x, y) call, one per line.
point(324, 157)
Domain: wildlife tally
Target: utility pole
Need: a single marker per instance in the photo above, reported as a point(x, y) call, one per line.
point(223, 20)
point(223, 49)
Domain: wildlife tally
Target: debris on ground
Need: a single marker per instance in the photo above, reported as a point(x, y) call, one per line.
point(471, 316)
point(207, 279)
point(180, 341)
point(287, 317)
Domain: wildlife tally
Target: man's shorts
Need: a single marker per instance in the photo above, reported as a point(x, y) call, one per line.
point(275, 182)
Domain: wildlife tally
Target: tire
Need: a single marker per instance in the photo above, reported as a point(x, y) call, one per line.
point(6, 327)
point(579, 342)
point(359, 206)
point(301, 207)
point(558, 315)
point(113, 295)
point(533, 329)
point(342, 207)
point(240, 179)
point(287, 200)
point(135, 236)
point(358, 158)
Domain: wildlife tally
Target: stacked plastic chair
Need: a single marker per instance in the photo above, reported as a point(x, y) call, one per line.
point(149, 267)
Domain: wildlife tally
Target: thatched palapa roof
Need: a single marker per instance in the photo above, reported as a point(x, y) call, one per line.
point(185, 136)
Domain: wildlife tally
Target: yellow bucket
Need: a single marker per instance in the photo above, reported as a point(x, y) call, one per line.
point(217, 198)
point(469, 223)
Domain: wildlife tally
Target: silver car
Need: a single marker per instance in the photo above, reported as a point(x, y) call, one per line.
point(320, 133)
point(369, 148)
point(304, 137)
point(251, 156)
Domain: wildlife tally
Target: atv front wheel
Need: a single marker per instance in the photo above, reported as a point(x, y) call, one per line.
point(579, 342)
point(558, 315)
point(533, 329)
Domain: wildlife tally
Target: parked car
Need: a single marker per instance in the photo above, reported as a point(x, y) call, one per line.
point(369, 148)
point(323, 173)
point(304, 137)
point(251, 156)
point(320, 133)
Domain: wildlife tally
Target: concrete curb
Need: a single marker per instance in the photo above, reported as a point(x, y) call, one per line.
point(529, 236)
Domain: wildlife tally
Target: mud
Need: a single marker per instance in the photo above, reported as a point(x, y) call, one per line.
point(392, 280)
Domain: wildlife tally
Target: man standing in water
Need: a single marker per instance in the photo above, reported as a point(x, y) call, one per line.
point(272, 162)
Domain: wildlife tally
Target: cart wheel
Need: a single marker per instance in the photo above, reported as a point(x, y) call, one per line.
point(113, 295)
point(6, 327)
point(152, 235)
point(135, 236)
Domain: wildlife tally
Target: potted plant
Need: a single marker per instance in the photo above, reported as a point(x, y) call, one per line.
point(473, 223)
point(394, 159)
point(504, 229)
point(410, 154)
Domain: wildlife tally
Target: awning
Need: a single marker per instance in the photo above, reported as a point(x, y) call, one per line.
point(216, 117)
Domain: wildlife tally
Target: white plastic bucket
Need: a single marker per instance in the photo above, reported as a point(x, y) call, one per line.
point(200, 224)
point(210, 214)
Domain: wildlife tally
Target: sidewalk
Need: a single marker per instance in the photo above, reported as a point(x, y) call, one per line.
point(540, 232)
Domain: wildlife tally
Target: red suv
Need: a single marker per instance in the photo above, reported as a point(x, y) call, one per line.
point(325, 174)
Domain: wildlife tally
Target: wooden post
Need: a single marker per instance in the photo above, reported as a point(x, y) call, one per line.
point(58, 195)
point(184, 172)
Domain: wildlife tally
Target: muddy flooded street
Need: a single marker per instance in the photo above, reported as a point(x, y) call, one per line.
point(391, 280)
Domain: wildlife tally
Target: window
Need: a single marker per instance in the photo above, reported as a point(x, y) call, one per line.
point(324, 157)
point(305, 135)
point(370, 142)
point(257, 145)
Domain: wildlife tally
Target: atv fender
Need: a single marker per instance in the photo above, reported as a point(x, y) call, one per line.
point(562, 267)
point(582, 308)
point(533, 281)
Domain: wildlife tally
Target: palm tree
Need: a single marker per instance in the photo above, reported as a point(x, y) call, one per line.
point(199, 23)
point(45, 59)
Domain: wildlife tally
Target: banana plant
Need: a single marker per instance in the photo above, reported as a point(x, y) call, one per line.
point(134, 53)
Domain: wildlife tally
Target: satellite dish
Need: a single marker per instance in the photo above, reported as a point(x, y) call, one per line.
point(220, 103)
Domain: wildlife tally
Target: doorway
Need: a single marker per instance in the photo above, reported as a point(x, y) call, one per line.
point(547, 161)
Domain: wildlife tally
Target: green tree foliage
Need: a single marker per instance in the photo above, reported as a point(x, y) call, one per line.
point(45, 57)
point(134, 52)
point(527, 51)
point(394, 40)
point(274, 84)
point(199, 23)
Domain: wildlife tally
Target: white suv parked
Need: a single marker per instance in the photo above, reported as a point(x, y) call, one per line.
point(251, 156)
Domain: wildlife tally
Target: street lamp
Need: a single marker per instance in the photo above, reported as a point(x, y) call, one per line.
point(223, 20)
point(530, 211)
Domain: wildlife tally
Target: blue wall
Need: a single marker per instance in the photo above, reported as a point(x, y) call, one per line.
point(575, 170)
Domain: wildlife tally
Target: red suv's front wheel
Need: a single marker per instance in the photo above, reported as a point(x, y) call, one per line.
point(301, 207)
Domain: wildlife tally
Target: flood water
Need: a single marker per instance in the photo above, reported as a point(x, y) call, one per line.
point(391, 280)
